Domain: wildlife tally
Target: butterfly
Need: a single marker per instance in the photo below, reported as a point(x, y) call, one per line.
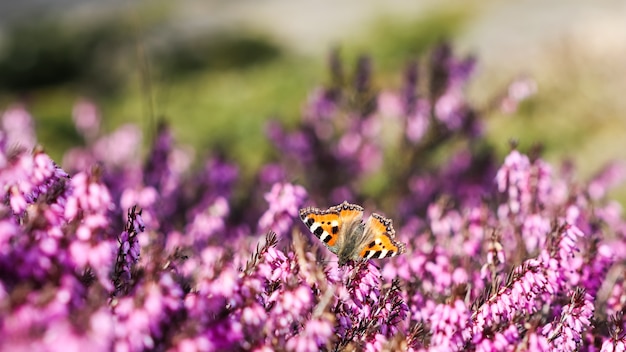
point(343, 232)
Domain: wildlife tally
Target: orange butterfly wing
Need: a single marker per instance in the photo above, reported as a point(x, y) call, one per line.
point(326, 224)
point(383, 243)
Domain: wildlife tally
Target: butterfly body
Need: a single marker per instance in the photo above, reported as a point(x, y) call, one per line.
point(343, 232)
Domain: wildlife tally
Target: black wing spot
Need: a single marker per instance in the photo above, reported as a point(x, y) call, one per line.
point(310, 222)
point(327, 239)
point(377, 254)
point(318, 232)
point(335, 230)
point(372, 244)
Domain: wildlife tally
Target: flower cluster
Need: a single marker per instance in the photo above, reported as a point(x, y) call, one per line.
point(109, 252)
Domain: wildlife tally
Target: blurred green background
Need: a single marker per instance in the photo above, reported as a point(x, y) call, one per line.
point(218, 69)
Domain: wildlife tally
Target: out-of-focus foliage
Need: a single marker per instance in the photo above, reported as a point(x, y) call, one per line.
point(138, 73)
point(113, 251)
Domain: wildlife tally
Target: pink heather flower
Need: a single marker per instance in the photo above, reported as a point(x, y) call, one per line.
point(527, 185)
point(518, 296)
point(371, 127)
point(418, 121)
point(19, 128)
point(264, 348)
point(614, 346)
point(297, 143)
point(378, 343)
point(224, 284)
point(450, 109)
point(210, 222)
point(254, 315)
point(389, 104)
point(78, 159)
point(319, 330)
point(609, 177)
point(538, 342)
point(294, 302)
point(77, 272)
point(565, 333)
point(567, 262)
point(349, 144)
point(519, 90)
point(500, 341)
point(145, 198)
point(128, 251)
point(88, 206)
point(444, 224)
point(364, 309)
point(119, 148)
point(611, 214)
point(542, 181)
point(220, 175)
point(391, 311)
point(476, 218)
point(88, 196)
point(284, 200)
point(320, 106)
point(440, 270)
point(17, 201)
point(289, 308)
point(616, 340)
point(370, 158)
point(448, 76)
point(593, 274)
point(28, 177)
point(132, 327)
point(616, 301)
point(86, 118)
point(535, 230)
point(272, 173)
point(139, 326)
point(447, 326)
point(512, 178)
point(101, 330)
point(363, 288)
point(162, 172)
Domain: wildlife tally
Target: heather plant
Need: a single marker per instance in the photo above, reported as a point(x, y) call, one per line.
point(109, 252)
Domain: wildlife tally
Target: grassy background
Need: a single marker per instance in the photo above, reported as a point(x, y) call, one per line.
point(217, 88)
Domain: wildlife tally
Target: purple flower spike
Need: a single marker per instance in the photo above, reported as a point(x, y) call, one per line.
point(119, 148)
point(134, 255)
point(19, 128)
point(565, 333)
point(617, 334)
point(284, 202)
point(86, 119)
point(611, 176)
point(518, 296)
point(128, 252)
point(447, 325)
